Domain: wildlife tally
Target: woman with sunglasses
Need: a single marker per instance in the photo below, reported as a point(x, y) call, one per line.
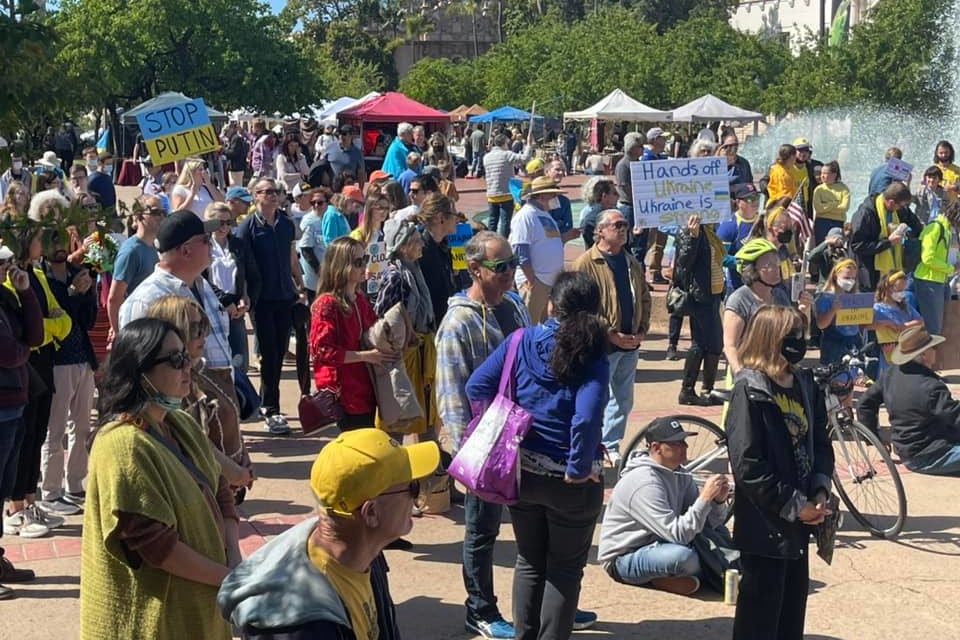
point(215, 412)
point(782, 463)
point(310, 246)
point(436, 261)
point(339, 317)
point(160, 529)
point(235, 277)
point(561, 375)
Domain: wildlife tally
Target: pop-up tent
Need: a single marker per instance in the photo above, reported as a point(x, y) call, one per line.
point(710, 108)
point(461, 113)
point(617, 106)
point(503, 114)
point(392, 107)
point(329, 113)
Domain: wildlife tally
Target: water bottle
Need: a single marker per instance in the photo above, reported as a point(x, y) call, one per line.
point(955, 287)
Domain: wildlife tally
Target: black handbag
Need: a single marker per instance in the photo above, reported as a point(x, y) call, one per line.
point(678, 301)
point(247, 396)
point(715, 549)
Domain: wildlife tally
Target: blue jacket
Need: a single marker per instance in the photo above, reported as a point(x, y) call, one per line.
point(395, 160)
point(567, 420)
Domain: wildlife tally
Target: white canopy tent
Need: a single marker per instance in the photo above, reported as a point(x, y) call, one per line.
point(710, 108)
point(329, 114)
point(619, 107)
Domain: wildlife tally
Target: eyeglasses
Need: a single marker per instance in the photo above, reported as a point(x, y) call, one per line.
point(502, 266)
point(269, 192)
point(413, 489)
point(318, 203)
point(155, 211)
point(226, 223)
point(360, 263)
point(178, 360)
point(619, 224)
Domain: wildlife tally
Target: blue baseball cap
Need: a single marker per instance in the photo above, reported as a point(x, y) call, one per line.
point(239, 193)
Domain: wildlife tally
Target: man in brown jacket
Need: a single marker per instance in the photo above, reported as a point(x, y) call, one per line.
point(625, 309)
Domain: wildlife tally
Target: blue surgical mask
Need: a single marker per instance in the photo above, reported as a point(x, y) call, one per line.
point(108, 169)
point(165, 402)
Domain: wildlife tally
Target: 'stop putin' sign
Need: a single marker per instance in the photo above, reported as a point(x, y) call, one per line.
point(178, 131)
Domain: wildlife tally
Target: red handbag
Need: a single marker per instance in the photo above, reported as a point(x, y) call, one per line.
point(319, 410)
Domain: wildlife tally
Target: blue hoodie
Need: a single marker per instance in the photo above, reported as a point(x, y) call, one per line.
point(567, 420)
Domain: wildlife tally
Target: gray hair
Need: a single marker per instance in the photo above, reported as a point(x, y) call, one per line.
point(413, 158)
point(632, 140)
point(404, 127)
point(606, 213)
point(500, 139)
point(42, 200)
point(476, 249)
point(702, 144)
point(590, 186)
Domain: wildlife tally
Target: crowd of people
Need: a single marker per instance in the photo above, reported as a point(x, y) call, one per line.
point(287, 231)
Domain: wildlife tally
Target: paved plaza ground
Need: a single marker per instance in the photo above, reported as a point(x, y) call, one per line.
point(904, 589)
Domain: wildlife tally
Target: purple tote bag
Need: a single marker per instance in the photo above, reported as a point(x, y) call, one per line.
point(488, 463)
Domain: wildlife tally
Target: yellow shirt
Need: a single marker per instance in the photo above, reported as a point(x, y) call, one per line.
point(354, 589)
point(831, 201)
point(782, 183)
point(951, 177)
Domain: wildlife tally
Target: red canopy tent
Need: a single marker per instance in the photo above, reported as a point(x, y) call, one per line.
point(391, 107)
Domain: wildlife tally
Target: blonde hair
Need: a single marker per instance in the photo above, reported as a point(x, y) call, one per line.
point(886, 284)
point(367, 228)
point(831, 284)
point(186, 172)
point(176, 311)
point(763, 336)
point(214, 209)
point(335, 271)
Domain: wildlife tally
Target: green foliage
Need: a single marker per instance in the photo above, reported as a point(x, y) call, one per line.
point(26, 47)
point(230, 52)
point(667, 14)
point(442, 83)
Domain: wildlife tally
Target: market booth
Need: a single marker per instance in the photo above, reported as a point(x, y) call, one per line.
point(377, 120)
point(710, 108)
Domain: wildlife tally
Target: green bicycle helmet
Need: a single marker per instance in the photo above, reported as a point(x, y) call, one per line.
point(752, 250)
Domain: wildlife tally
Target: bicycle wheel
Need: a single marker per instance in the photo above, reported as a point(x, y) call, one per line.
point(867, 480)
point(706, 451)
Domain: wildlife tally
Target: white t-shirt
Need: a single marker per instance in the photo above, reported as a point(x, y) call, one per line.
point(537, 228)
point(199, 203)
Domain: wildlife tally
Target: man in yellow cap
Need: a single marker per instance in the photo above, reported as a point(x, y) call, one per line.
point(326, 577)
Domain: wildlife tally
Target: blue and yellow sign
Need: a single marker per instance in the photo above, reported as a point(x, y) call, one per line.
point(178, 131)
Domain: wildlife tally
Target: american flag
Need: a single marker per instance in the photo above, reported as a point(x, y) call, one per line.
point(799, 216)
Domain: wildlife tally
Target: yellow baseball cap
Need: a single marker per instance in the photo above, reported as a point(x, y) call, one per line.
point(360, 465)
point(534, 165)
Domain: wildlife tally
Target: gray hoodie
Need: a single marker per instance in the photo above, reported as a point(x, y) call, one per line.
point(651, 503)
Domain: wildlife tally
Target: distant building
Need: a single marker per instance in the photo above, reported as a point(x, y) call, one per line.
point(793, 20)
point(456, 35)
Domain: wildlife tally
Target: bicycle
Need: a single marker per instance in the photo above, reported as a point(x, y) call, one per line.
point(864, 474)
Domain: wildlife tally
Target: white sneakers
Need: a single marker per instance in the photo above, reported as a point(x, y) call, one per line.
point(31, 522)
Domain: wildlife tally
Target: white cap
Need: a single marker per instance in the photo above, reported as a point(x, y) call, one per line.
point(654, 133)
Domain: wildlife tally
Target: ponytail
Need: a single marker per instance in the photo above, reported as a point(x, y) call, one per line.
point(580, 338)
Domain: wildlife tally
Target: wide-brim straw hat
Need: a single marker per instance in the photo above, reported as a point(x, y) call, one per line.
point(543, 186)
point(912, 343)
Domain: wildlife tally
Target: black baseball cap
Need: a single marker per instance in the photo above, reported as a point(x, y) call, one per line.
point(179, 227)
point(743, 191)
point(346, 130)
point(666, 430)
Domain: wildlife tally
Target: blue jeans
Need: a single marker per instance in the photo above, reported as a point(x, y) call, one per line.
point(499, 218)
point(623, 371)
point(477, 167)
point(946, 465)
point(821, 227)
point(481, 527)
point(657, 560)
point(931, 301)
point(834, 346)
point(239, 348)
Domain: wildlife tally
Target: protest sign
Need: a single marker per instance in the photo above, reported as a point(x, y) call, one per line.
point(855, 308)
point(378, 258)
point(668, 192)
point(178, 131)
point(898, 169)
point(457, 242)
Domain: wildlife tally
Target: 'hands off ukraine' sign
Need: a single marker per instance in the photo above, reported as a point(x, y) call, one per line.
point(178, 131)
point(667, 192)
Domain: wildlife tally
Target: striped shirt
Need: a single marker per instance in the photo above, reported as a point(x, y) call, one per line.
point(498, 166)
point(161, 283)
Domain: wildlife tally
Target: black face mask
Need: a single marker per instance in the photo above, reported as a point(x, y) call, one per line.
point(786, 236)
point(794, 348)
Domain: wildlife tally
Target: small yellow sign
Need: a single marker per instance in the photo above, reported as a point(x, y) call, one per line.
point(847, 317)
point(183, 144)
point(459, 255)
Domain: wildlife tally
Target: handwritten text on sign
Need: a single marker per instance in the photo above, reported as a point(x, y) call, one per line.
point(855, 308)
point(178, 131)
point(667, 192)
point(457, 242)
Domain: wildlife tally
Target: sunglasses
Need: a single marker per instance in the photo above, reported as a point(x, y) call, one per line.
point(178, 360)
point(318, 203)
point(269, 192)
point(155, 211)
point(413, 489)
point(360, 263)
point(199, 329)
point(619, 224)
point(414, 190)
point(502, 266)
point(226, 223)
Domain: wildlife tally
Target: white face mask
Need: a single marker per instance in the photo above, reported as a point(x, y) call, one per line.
point(846, 284)
point(553, 204)
point(92, 165)
point(108, 169)
point(898, 296)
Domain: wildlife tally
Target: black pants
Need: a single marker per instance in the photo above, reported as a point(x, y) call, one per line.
point(553, 523)
point(706, 329)
point(36, 415)
point(272, 321)
point(773, 598)
point(676, 325)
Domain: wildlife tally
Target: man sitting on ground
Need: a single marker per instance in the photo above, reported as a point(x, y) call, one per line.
point(327, 577)
point(656, 511)
point(923, 414)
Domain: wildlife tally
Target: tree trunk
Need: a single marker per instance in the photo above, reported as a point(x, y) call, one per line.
point(500, 21)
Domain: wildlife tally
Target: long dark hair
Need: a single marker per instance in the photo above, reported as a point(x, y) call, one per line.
point(134, 353)
point(581, 339)
point(949, 147)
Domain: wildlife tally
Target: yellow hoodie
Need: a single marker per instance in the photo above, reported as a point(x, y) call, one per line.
point(55, 330)
point(831, 201)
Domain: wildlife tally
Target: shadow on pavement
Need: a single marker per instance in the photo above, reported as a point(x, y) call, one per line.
point(29, 590)
point(259, 506)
